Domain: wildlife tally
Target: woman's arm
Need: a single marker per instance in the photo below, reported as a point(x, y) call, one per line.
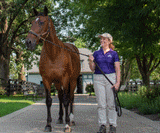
point(118, 75)
point(91, 63)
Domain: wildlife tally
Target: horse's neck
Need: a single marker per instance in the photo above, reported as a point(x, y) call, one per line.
point(52, 50)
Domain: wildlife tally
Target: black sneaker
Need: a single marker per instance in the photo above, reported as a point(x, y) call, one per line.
point(112, 129)
point(102, 129)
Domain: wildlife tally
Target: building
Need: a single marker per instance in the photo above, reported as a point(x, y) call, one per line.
point(86, 75)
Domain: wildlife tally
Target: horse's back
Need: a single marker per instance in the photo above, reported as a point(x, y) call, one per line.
point(75, 59)
point(72, 47)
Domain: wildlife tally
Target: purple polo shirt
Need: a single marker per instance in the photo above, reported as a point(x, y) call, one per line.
point(105, 61)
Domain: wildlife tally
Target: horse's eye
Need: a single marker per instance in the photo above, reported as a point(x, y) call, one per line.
point(41, 23)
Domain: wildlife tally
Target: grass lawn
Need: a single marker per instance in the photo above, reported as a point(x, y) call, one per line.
point(130, 100)
point(13, 103)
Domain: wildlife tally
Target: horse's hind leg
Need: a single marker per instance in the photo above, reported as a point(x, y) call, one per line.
point(67, 119)
point(71, 116)
point(48, 127)
point(66, 102)
point(72, 88)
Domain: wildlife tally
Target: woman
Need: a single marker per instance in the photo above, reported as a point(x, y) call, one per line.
point(108, 61)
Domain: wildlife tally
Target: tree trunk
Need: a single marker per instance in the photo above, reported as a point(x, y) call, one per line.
point(4, 67)
point(126, 65)
point(146, 80)
point(143, 67)
point(4, 53)
point(21, 74)
point(4, 61)
point(19, 62)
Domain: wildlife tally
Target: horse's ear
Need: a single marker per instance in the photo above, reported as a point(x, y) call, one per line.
point(35, 11)
point(45, 11)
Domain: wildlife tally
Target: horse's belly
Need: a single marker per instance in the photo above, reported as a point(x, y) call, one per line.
point(50, 73)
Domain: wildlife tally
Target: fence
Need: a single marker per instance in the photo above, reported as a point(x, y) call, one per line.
point(14, 86)
point(133, 85)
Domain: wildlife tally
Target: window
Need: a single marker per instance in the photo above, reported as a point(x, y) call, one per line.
point(81, 64)
point(90, 76)
point(85, 76)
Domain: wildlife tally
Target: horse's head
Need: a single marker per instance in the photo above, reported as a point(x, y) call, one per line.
point(40, 28)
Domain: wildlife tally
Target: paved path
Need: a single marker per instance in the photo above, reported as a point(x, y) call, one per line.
point(32, 119)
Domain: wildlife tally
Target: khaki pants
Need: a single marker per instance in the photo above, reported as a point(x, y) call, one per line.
point(105, 99)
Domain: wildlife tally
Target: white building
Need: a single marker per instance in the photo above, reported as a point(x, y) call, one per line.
point(86, 75)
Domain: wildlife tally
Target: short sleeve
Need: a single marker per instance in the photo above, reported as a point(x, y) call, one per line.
point(94, 54)
point(116, 57)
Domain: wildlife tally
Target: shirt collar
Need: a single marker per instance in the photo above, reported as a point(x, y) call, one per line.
point(103, 51)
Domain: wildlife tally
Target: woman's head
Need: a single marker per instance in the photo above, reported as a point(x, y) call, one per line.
point(106, 40)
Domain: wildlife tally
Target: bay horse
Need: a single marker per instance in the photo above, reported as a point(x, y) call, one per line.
point(57, 65)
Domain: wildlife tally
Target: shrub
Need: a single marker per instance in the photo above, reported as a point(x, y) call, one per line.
point(129, 100)
point(142, 91)
point(144, 105)
point(53, 88)
point(2, 91)
point(150, 107)
point(149, 93)
point(89, 88)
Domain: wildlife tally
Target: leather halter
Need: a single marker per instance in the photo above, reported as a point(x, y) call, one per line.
point(45, 33)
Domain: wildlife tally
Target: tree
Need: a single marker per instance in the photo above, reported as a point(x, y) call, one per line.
point(135, 26)
point(156, 74)
point(125, 70)
point(14, 18)
point(79, 43)
point(134, 71)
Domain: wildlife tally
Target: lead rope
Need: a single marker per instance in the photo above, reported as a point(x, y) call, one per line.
point(116, 99)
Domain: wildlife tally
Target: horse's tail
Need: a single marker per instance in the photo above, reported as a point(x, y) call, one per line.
point(69, 88)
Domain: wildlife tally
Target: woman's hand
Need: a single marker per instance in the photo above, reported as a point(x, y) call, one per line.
point(116, 86)
point(91, 58)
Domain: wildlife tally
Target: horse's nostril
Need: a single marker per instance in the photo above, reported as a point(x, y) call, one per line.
point(28, 41)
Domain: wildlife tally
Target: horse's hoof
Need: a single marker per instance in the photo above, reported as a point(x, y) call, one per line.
point(48, 129)
point(67, 128)
point(72, 123)
point(59, 121)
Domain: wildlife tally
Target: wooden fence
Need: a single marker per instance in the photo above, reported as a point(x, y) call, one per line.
point(133, 85)
point(14, 86)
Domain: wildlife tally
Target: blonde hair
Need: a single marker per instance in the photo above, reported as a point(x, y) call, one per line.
point(111, 46)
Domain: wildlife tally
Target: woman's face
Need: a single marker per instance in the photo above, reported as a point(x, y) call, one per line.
point(104, 41)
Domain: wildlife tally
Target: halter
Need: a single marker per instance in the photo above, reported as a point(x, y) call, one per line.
point(45, 33)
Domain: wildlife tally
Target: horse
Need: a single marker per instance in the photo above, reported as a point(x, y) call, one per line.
point(58, 65)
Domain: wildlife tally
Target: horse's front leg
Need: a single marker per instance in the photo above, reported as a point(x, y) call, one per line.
point(48, 127)
point(60, 96)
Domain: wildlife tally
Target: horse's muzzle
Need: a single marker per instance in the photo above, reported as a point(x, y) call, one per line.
point(30, 45)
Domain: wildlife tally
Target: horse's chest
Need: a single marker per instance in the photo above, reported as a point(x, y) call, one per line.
point(52, 69)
